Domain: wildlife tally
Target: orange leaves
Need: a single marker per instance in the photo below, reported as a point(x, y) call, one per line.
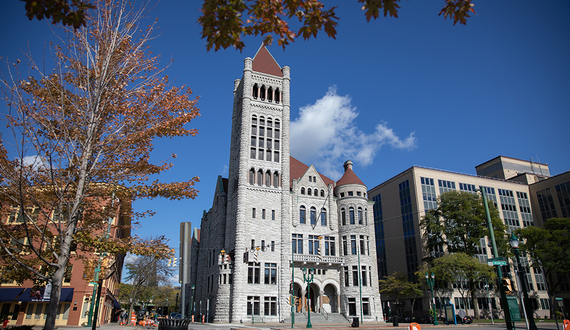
point(372, 8)
point(225, 22)
point(458, 10)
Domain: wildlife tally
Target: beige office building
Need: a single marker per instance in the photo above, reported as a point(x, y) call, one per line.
point(524, 193)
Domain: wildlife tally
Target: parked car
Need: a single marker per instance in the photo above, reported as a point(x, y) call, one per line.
point(466, 320)
point(175, 315)
point(424, 319)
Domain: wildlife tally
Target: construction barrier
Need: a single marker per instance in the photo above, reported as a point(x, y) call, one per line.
point(203, 318)
point(566, 325)
point(133, 319)
point(415, 326)
point(192, 318)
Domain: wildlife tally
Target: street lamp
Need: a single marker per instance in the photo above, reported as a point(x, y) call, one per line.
point(309, 280)
point(527, 307)
point(430, 283)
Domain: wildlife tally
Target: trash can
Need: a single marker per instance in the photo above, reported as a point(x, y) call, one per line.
point(355, 322)
point(173, 324)
point(395, 321)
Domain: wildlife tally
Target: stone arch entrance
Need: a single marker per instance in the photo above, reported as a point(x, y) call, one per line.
point(330, 299)
point(298, 292)
point(314, 297)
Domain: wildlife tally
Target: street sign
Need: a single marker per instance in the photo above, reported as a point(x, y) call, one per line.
point(497, 262)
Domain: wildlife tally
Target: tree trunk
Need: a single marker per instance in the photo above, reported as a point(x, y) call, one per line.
point(53, 304)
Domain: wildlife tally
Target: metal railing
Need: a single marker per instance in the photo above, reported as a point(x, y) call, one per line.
point(316, 258)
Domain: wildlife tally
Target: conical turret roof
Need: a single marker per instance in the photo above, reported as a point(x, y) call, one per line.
point(349, 176)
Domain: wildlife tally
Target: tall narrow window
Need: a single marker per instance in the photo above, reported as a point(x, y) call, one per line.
point(359, 216)
point(276, 180)
point(343, 217)
point(344, 246)
point(268, 179)
point(302, 214)
point(251, 176)
point(259, 178)
point(323, 217)
point(353, 244)
point(277, 95)
point(298, 243)
point(313, 216)
point(351, 215)
point(255, 91)
point(262, 93)
point(270, 94)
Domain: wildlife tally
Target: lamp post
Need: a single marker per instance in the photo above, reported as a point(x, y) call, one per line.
point(430, 283)
point(489, 302)
point(309, 280)
point(527, 307)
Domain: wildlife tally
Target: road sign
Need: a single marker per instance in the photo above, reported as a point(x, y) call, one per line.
point(497, 262)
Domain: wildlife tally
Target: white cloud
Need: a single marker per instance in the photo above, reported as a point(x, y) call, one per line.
point(325, 134)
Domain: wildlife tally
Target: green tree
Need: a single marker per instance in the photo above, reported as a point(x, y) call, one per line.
point(456, 228)
point(465, 272)
point(397, 286)
point(458, 224)
point(549, 248)
point(145, 274)
point(79, 143)
point(226, 22)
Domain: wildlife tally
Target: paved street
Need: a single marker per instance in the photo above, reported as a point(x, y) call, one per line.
point(281, 326)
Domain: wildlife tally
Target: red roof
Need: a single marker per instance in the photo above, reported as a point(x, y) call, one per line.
point(349, 177)
point(298, 169)
point(264, 62)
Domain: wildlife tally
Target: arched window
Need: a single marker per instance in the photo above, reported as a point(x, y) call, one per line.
point(316, 192)
point(251, 176)
point(322, 193)
point(276, 180)
point(277, 95)
point(359, 215)
point(270, 94)
point(262, 93)
point(253, 136)
point(268, 179)
point(343, 216)
point(255, 92)
point(365, 217)
point(259, 178)
point(351, 215)
point(302, 190)
point(309, 191)
point(323, 217)
point(313, 216)
point(302, 214)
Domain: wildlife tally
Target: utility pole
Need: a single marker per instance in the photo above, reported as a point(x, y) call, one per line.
point(504, 303)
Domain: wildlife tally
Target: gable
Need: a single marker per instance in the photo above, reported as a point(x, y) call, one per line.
point(264, 62)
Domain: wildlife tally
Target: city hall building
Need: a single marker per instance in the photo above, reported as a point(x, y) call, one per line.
point(275, 218)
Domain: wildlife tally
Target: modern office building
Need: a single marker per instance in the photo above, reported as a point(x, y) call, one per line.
point(274, 218)
point(523, 192)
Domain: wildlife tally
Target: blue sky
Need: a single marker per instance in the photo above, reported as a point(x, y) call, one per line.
point(387, 94)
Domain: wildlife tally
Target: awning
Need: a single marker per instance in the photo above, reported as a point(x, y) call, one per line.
point(10, 294)
point(116, 304)
point(66, 295)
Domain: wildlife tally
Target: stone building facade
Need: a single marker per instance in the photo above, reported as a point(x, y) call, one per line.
point(274, 216)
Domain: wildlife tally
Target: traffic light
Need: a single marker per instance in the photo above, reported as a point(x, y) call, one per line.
point(506, 282)
point(174, 262)
point(169, 262)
